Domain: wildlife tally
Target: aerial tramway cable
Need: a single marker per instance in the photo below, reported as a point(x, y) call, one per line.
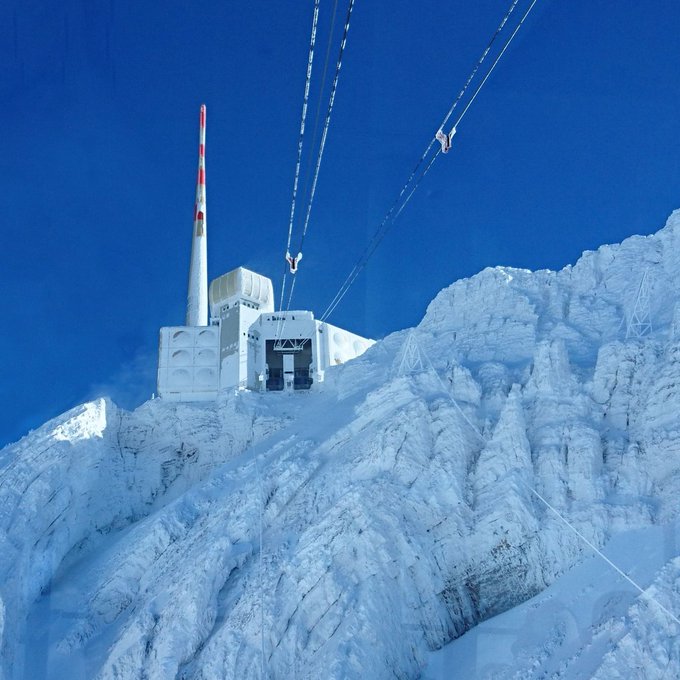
point(493, 66)
point(457, 100)
point(317, 115)
point(473, 73)
point(322, 146)
point(305, 102)
point(327, 122)
point(415, 179)
point(324, 135)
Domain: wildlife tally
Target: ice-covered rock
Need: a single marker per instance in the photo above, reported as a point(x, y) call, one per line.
point(345, 532)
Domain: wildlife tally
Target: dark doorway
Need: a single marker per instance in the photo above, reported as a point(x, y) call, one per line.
point(302, 360)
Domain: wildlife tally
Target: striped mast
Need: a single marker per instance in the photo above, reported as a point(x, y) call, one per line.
point(197, 297)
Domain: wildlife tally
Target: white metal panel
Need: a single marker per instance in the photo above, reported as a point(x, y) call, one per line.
point(188, 366)
point(340, 345)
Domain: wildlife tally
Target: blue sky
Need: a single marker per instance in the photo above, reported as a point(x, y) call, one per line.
point(573, 142)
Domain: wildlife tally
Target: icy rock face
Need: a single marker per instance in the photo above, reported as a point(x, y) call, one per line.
point(586, 624)
point(89, 474)
point(345, 532)
point(508, 568)
point(650, 630)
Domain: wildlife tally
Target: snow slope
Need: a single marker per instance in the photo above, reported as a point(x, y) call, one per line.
point(590, 623)
point(394, 512)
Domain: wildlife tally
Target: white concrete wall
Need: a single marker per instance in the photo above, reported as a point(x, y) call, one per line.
point(338, 345)
point(188, 363)
point(235, 324)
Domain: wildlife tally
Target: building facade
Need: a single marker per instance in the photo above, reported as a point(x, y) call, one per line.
point(248, 345)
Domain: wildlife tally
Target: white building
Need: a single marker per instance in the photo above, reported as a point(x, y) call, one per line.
point(246, 344)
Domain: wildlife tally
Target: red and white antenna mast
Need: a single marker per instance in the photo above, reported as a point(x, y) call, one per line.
point(197, 297)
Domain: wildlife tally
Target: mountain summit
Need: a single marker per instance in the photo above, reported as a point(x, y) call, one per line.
point(350, 531)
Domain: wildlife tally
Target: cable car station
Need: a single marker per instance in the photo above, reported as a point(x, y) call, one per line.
point(243, 343)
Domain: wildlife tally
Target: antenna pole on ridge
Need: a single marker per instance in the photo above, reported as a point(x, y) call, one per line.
point(197, 296)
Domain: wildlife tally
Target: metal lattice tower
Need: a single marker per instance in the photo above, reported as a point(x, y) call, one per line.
point(640, 320)
point(411, 360)
point(675, 324)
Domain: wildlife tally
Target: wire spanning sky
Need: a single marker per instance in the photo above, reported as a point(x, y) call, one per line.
point(574, 142)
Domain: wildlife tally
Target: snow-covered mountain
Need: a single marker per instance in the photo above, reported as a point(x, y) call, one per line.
point(348, 532)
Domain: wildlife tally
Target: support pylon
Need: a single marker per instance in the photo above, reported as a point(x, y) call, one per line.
point(640, 320)
point(411, 360)
point(674, 334)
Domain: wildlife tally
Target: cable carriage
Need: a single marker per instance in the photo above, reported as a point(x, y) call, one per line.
point(293, 261)
point(445, 140)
